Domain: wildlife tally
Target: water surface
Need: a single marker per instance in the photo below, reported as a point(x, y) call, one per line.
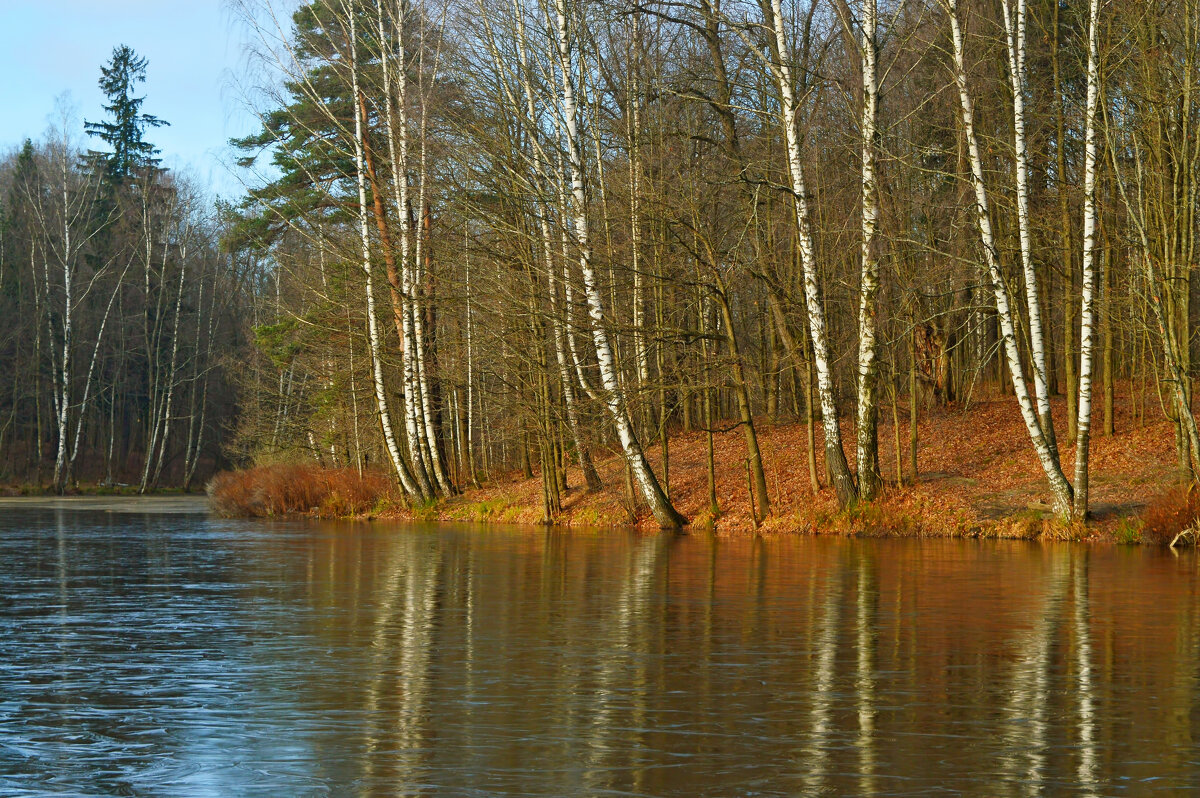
point(165, 654)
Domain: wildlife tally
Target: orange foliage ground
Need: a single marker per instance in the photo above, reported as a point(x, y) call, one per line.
point(978, 475)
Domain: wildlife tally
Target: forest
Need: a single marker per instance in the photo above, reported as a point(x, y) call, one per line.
point(486, 240)
point(120, 310)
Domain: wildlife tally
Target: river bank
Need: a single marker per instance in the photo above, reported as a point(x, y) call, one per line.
point(977, 476)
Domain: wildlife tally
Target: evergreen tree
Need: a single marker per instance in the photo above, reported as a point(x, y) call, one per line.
point(125, 130)
point(305, 138)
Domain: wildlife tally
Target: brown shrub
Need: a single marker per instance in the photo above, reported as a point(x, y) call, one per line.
point(1170, 513)
point(292, 489)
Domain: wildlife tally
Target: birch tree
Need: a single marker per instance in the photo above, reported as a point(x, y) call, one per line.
point(780, 67)
point(664, 513)
point(1059, 487)
point(398, 463)
point(1087, 309)
point(1014, 29)
point(869, 480)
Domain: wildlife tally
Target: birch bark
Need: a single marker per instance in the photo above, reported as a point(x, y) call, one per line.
point(373, 338)
point(640, 354)
point(423, 263)
point(1015, 41)
point(590, 476)
point(396, 125)
point(68, 330)
point(1087, 342)
point(835, 455)
point(172, 372)
point(1059, 487)
point(870, 483)
point(666, 515)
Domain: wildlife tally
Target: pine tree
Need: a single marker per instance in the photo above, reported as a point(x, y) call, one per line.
point(125, 131)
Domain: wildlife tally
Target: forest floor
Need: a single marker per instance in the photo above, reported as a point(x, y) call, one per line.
point(978, 475)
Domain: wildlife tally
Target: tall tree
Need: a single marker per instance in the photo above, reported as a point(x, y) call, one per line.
point(125, 129)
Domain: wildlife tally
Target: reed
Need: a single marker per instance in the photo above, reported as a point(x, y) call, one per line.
point(297, 489)
point(1170, 513)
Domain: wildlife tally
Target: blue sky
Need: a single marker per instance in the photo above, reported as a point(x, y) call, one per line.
point(195, 49)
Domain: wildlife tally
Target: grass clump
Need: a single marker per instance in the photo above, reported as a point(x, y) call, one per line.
point(1169, 514)
point(495, 509)
point(1128, 531)
point(297, 489)
point(881, 519)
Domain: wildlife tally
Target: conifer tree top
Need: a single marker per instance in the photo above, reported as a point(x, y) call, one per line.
point(125, 128)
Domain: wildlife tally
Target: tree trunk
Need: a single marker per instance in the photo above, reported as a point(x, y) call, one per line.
point(1015, 37)
point(1064, 212)
point(385, 420)
point(835, 455)
point(666, 515)
point(912, 403)
point(1060, 488)
point(754, 462)
point(1106, 322)
point(1087, 306)
point(870, 483)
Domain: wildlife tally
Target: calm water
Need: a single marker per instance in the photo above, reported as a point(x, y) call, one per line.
point(176, 655)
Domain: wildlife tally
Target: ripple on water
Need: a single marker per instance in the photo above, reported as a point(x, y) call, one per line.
point(175, 655)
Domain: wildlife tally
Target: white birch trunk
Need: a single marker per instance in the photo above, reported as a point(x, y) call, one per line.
point(1087, 341)
point(191, 430)
point(156, 389)
point(664, 512)
point(64, 382)
point(835, 457)
point(87, 383)
point(385, 419)
point(428, 428)
point(1015, 40)
point(568, 290)
point(869, 479)
point(1059, 487)
point(193, 460)
point(172, 372)
point(641, 357)
point(591, 476)
point(397, 136)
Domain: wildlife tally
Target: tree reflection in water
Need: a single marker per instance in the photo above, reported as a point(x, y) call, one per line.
point(176, 655)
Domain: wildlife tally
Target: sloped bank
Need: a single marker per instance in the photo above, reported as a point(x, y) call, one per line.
point(977, 476)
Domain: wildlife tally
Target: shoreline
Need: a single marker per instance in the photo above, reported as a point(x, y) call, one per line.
point(978, 477)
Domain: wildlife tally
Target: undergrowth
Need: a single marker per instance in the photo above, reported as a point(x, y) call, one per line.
point(1128, 531)
point(294, 489)
point(1170, 513)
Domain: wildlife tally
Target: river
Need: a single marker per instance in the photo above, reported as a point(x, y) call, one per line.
point(148, 649)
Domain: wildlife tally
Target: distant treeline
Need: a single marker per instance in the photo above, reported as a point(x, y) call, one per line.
point(118, 313)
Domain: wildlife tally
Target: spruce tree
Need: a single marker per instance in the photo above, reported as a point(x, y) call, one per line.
point(125, 129)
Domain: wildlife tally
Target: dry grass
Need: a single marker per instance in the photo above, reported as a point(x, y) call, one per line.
point(1170, 513)
point(293, 489)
